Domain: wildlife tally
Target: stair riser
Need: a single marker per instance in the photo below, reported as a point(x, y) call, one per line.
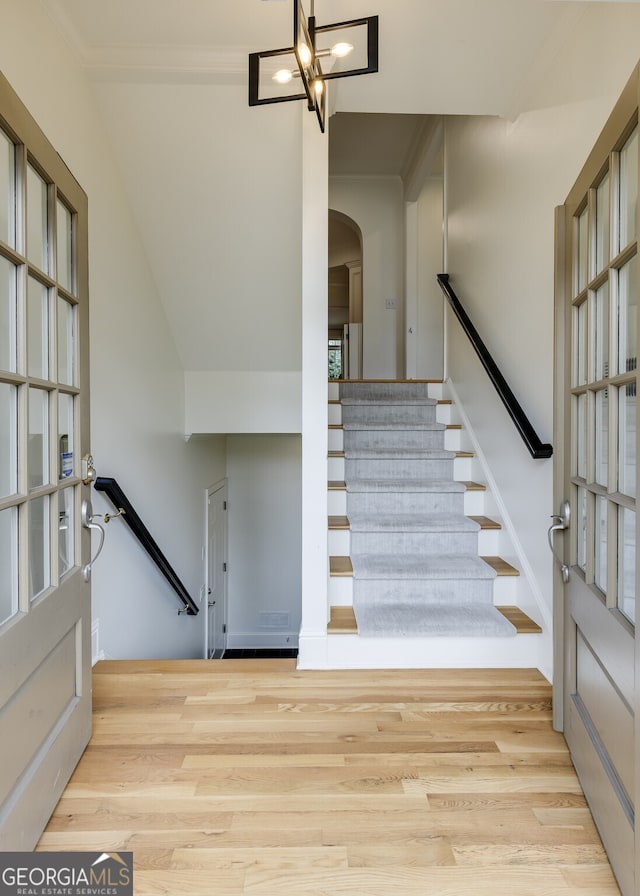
point(389, 413)
point(336, 440)
point(505, 591)
point(462, 468)
point(380, 391)
point(426, 543)
point(336, 503)
point(405, 502)
point(335, 414)
point(340, 592)
point(340, 543)
point(424, 592)
point(381, 439)
point(473, 505)
point(384, 468)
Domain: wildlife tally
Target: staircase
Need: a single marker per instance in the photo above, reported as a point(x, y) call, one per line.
point(414, 562)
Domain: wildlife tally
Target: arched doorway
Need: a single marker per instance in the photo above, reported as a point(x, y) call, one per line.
point(344, 338)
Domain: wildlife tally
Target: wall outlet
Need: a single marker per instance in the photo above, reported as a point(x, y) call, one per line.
point(390, 304)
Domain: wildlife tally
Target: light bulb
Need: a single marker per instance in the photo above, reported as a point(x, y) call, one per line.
point(283, 76)
point(341, 49)
point(304, 53)
point(318, 86)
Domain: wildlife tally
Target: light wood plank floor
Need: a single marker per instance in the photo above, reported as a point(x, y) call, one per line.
point(249, 777)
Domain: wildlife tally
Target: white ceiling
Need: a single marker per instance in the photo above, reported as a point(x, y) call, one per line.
point(491, 45)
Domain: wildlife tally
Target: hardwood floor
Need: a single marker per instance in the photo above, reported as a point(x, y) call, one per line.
point(249, 777)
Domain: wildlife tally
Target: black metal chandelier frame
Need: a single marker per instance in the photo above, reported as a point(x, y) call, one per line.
point(308, 61)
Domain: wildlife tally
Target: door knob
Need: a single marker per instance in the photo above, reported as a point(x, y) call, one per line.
point(561, 521)
point(86, 516)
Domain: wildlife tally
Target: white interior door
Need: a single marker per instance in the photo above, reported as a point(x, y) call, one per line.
point(217, 572)
point(45, 606)
point(599, 225)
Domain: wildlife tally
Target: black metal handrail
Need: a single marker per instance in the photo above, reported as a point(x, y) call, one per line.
point(119, 500)
point(537, 448)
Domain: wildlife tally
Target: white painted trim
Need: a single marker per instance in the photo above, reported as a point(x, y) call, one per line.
point(509, 528)
point(211, 490)
point(411, 289)
point(238, 640)
point(356, 652)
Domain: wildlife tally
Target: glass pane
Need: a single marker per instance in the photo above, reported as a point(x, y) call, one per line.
point(66, 342)
point(583, 251)
point(38, 459)
point(8, 440)
point(627, 562)
point(581, 529)
point(37, 235)
point(600, 544)
point(602, 332)
point(581, 441)
point(627, 440)
point(8, 331)
point(580, 347)
point(65, 435)
point(627, 316)
point(39, 553)
point(602, 225)
point(8, 563)
point(37, 329)
point(628, 189)
point(65, 244)
point(7, 191)
point(602, 437)
point(66, 530)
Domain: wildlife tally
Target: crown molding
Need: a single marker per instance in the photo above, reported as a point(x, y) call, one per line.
point(149, 61)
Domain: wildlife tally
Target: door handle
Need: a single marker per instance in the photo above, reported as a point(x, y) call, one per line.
point(561, 521)
point(86, 515)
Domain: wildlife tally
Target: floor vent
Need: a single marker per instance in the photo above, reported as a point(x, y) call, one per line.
point(280, 621)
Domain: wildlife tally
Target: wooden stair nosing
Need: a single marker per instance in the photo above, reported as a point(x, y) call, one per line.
point(343, 621)
point(342, 566)
point(486, 523)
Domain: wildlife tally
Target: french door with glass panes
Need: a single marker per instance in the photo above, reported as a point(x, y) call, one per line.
point(598, 229)
point(45, 622)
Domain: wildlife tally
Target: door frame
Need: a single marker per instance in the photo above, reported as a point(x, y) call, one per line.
point(221, 485)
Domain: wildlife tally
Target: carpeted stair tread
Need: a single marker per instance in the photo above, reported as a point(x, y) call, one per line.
point(441, 620)
point(420, 566)
point(412, 522)
point(405, 485)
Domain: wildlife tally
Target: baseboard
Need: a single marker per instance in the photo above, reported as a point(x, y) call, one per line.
point(237, 640)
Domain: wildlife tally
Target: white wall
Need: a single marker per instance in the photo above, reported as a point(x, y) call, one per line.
point(230, 284)
point(375, 204)
point(137, 391)
point(503, 181)
point(221, 401)
point(264, 519)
